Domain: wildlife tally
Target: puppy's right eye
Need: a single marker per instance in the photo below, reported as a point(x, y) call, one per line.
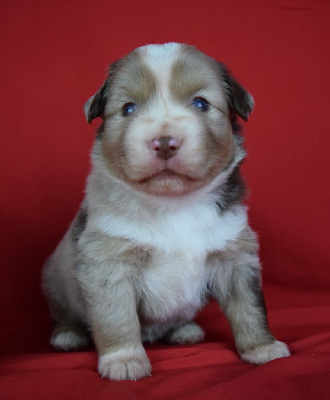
point(128, 109)
point(201, 104)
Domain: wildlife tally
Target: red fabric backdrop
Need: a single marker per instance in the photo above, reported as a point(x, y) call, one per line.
point(54, 55)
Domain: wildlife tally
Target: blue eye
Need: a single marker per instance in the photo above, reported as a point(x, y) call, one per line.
point(200, 103)
point(128, 109)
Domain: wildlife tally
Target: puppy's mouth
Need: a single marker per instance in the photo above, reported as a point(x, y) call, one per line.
point(165, 174)
point(168, 182)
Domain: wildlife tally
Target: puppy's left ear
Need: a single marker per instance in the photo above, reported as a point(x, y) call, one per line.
point(239, 100)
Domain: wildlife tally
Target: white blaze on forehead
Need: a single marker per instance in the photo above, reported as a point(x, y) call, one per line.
point(160, 58)
point(160, 51)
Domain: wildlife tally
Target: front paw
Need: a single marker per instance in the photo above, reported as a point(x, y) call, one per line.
point(125, 364)
point(265, 353)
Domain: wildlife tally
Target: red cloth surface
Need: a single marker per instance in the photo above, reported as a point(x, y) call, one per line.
point(54, 55)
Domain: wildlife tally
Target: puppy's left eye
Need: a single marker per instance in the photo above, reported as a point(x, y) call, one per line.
point(200, 103)
point(128, 109)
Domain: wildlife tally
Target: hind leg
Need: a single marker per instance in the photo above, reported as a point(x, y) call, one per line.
point(187, 333)
point(62, 290)
point(68, 333)
point(69, 337)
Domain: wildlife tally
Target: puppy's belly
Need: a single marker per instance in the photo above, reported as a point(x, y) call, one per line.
point(173, 288)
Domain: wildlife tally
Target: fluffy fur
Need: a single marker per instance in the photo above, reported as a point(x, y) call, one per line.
point(162, 226)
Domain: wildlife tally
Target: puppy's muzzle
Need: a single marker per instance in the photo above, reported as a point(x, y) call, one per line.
point(165, 147)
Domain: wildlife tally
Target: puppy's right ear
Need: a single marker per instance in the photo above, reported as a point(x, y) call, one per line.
point(95, 105)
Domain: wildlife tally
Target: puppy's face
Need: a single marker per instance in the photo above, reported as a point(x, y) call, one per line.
point(166, 111)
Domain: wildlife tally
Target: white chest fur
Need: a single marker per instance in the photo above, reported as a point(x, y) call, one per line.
point(193, 230)
point(173, 282)
point(172, 287)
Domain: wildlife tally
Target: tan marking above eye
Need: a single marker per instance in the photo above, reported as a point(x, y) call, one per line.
point(187, 78)
point(134, 81)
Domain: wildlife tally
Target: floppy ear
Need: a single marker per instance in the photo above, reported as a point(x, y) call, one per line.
point(239, 100)
point(95, 105)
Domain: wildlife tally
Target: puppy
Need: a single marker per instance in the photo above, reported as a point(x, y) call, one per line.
point(162, 227)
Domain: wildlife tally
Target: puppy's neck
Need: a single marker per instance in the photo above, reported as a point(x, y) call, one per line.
point(121, 198)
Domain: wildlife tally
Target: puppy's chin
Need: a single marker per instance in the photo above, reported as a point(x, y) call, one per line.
point(167, 183)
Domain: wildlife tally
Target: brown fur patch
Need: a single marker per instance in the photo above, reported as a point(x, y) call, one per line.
point(187, 78)
point(109, 249)
point(79, 223)
point(132, 81)
point(194, 72)
point(246, 242)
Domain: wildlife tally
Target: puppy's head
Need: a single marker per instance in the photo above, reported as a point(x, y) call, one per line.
point(167, 112)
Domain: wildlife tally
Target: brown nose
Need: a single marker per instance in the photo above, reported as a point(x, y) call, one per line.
point(165, 146)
